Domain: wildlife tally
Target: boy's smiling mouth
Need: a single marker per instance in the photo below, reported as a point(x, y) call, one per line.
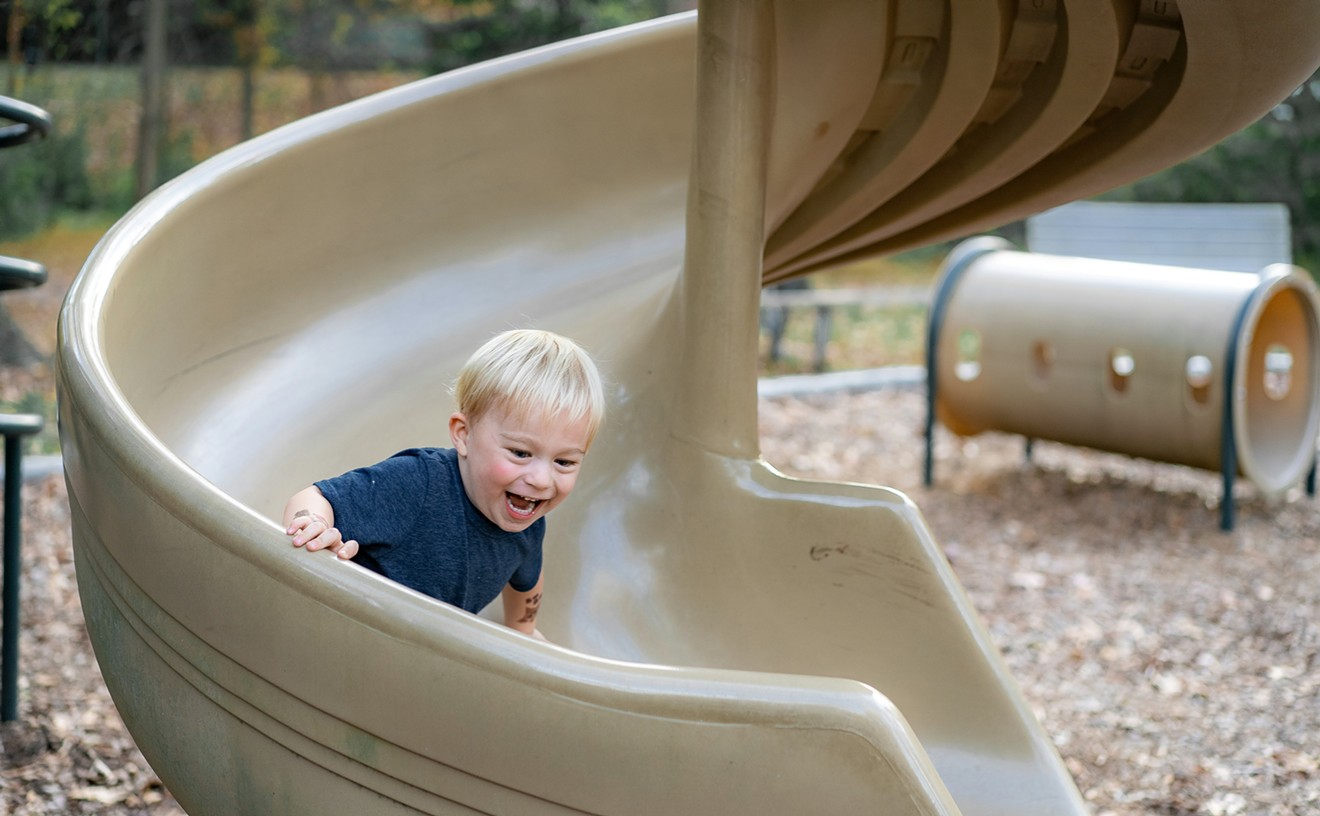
point(521, 506)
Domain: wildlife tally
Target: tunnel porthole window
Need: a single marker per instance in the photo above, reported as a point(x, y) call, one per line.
point(1278, 371)
point(968, 366)
point(1121, 366)
point(1200, 373)
point(1042, 358)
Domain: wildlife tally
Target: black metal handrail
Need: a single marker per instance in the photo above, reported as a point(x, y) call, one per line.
point(17, 273)
point(30, 122)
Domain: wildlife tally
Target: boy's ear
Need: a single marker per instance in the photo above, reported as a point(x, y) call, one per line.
point(458, 432)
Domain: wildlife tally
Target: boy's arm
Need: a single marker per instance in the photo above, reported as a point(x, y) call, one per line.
point(521, 608)
point(310, 519)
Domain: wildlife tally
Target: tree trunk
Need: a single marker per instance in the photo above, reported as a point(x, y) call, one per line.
point(151, 127)
point(13, 41)
point(316, 35)
point(247, 127)
point(248, 42)
point(102, 31)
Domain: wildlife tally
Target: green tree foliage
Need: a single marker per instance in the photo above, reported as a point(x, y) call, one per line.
point(1277, 159)
point(57, 18)
point(483, 29)
point(40, 178)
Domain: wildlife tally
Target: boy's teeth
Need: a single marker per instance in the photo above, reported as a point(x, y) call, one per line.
point(523, 504)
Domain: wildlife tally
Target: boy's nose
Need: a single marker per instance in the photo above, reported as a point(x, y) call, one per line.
point(537, 475)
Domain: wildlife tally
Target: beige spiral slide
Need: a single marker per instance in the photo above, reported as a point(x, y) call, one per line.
point(725, 640)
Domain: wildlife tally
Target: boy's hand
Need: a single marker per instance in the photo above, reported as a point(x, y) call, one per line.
point(312, 531)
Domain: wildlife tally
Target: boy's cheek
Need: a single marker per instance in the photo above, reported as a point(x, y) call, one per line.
point(566, 486)
point(503, 471)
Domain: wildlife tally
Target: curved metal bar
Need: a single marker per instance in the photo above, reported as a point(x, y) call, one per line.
point(17, 273)
point(1228, 464)
point(31, 122)
point(959, 260)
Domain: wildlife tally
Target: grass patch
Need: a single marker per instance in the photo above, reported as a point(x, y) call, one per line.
point(860, 336)
point(204, 109)
point(87, 163)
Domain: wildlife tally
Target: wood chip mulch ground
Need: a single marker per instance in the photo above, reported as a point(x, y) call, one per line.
point(1174, 665)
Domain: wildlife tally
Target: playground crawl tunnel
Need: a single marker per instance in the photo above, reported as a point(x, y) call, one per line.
point(1206, 368)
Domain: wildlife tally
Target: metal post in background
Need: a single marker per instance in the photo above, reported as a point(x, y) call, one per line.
point(14, 428)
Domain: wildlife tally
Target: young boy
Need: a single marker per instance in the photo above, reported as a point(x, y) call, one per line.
point(465, 524)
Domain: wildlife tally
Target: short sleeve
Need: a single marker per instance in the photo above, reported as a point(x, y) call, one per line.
point(379, 503)
point(529, 571)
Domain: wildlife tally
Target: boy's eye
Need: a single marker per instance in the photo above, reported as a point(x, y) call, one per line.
point(521, 454)
point(566, 463)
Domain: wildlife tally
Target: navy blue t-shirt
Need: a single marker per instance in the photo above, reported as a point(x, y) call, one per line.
point(414, 524)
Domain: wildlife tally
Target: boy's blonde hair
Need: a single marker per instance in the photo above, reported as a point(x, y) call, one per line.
point(532, 373)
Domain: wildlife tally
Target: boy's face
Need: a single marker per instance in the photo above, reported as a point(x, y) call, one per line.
point(517, 469)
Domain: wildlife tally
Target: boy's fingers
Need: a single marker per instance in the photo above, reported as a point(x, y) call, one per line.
point(300, 524)
point(327, 539)
point(306, 538)
point(301, 530)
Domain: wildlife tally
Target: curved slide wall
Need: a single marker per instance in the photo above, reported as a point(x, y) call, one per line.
point(729, 640)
